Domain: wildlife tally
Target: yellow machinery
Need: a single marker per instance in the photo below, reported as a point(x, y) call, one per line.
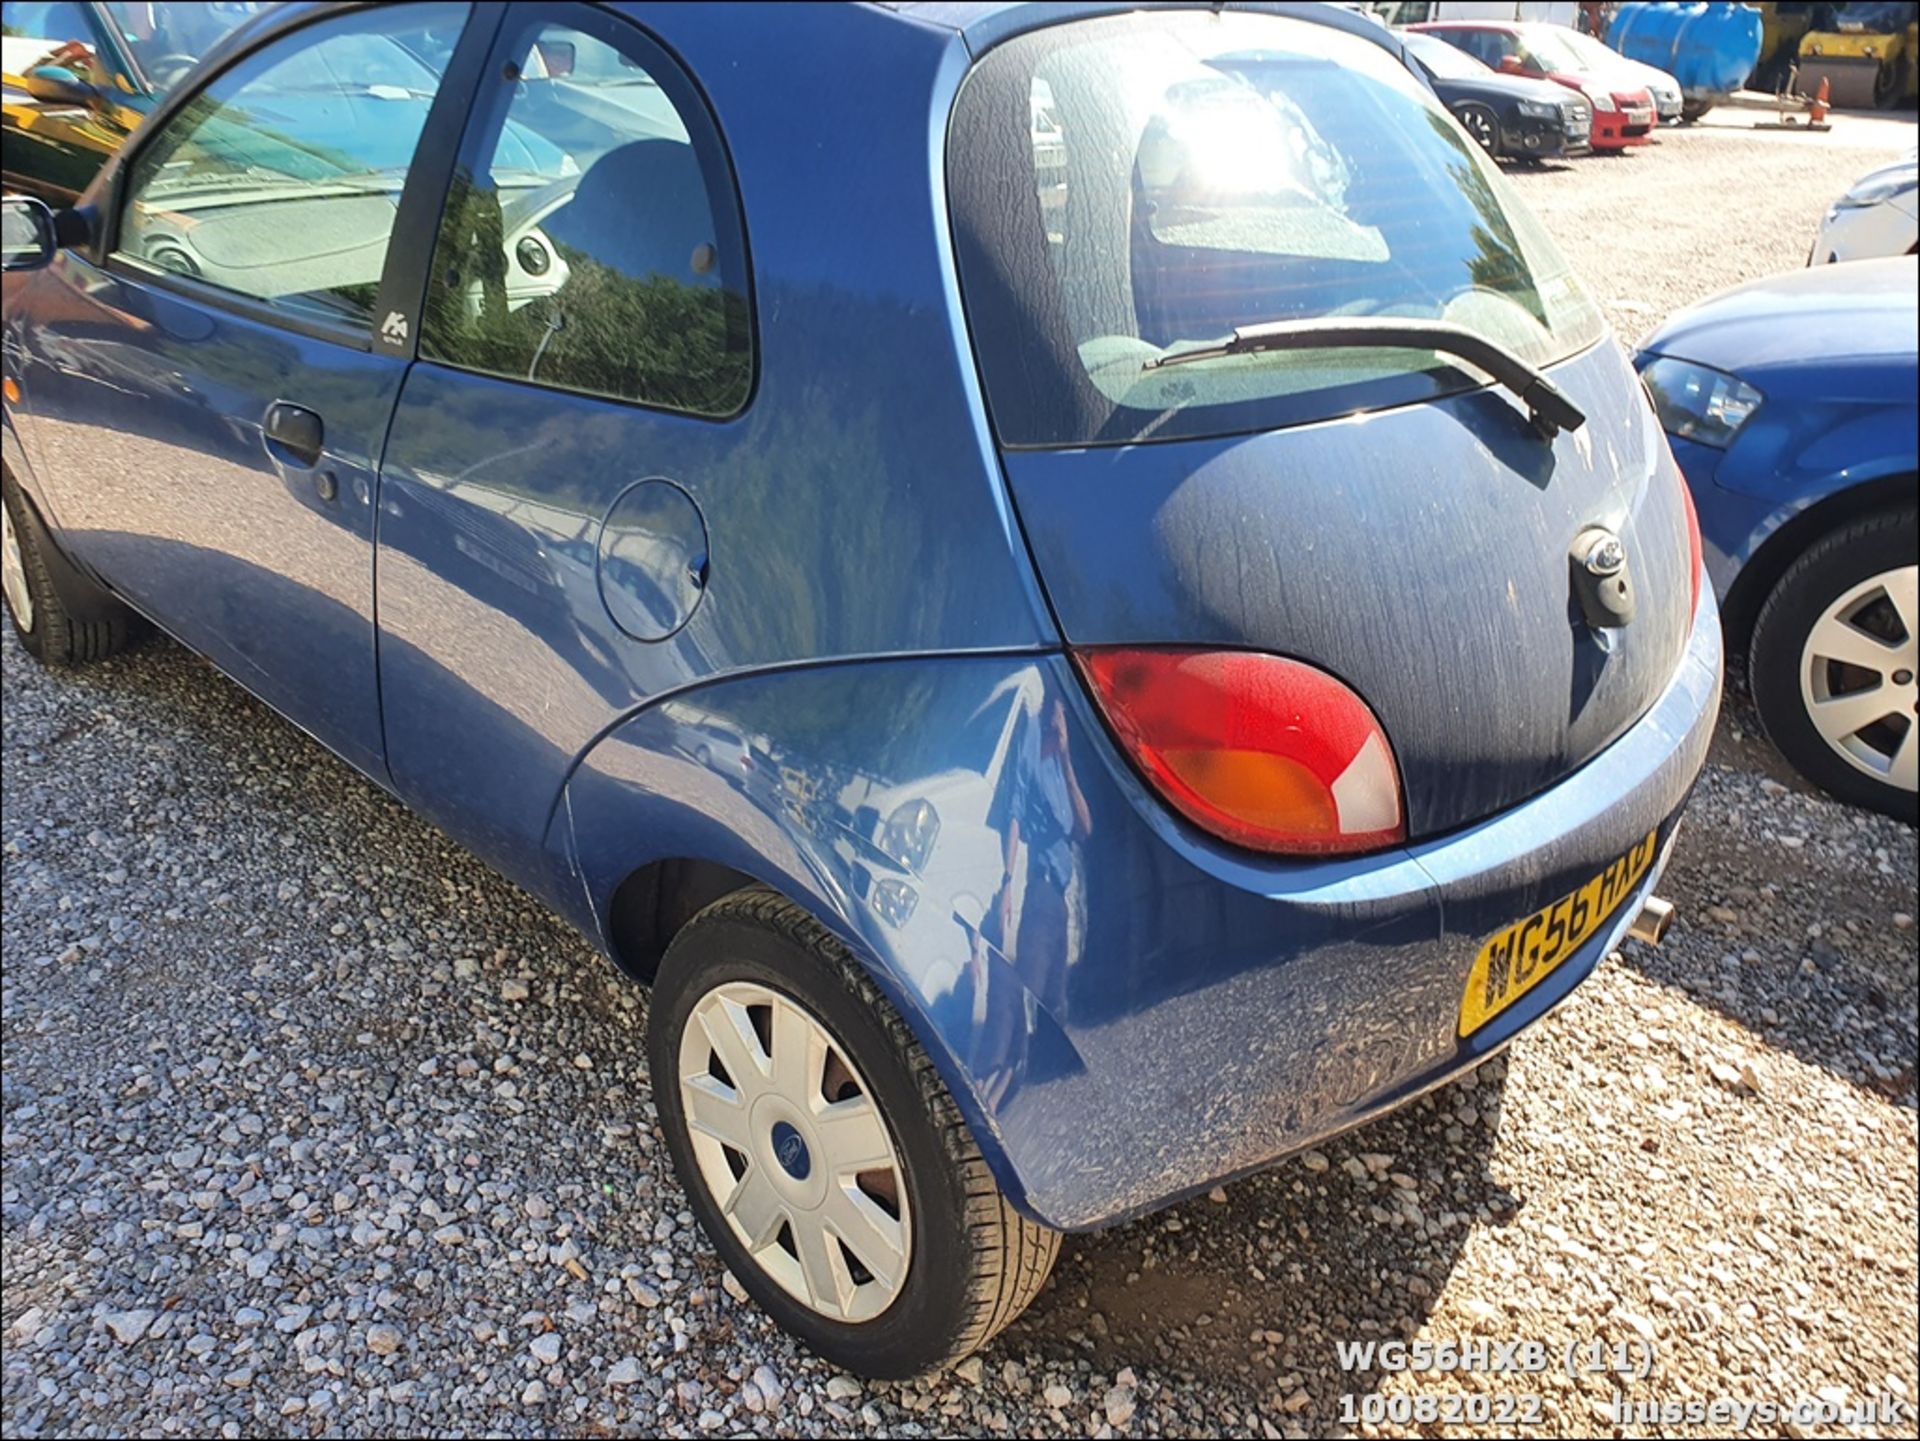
point(1870, 56)
point(1783, 22)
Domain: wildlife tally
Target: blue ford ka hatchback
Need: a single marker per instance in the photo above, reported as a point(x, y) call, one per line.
point(1083, 625)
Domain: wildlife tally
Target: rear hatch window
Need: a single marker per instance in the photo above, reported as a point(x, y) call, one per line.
point(1127, 187)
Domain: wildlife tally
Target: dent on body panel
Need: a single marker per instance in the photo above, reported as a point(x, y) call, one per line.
point(1388, 546)
point(490, 681)
point(852, 509)
point(964, 825)
point(925, 808)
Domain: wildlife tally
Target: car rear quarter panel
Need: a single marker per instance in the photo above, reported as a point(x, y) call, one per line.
point(1124, 1008)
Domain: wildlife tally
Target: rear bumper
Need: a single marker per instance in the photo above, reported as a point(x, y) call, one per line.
point(1328, 994)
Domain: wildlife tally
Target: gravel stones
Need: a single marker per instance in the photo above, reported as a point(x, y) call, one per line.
point(129, 1326)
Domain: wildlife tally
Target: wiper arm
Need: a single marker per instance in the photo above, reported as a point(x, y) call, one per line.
point(1547, 405)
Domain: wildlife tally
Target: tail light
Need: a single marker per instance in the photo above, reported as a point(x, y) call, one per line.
point(1257, 749)
point(1696, 561)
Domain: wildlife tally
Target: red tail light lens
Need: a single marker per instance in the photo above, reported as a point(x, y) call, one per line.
point(1695, 560)
point(1262, 751)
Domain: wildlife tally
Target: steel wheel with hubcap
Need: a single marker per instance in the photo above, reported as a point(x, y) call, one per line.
point(13, 573)
point(794, 1151)
point(1834, 662)
point(825, 1159)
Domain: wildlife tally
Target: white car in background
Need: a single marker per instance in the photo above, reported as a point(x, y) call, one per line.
point(1629, 74)
point(1880, 215)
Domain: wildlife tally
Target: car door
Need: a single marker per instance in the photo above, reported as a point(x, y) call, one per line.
point(585, 363)
point(216, 387)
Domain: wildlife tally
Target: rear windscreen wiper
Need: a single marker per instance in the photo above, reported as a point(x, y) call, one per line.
point(1546, 403)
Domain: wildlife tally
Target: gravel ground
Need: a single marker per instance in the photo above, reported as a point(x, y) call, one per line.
point(313, 1125)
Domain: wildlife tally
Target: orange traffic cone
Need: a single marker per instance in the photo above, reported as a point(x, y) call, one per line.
point(1818, 110)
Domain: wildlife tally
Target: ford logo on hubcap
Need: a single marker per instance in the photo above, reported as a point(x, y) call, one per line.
point(790, 1150)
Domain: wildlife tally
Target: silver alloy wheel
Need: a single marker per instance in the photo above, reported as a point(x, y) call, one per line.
point(13, 572)
point(792, 1147)
point(1859, 685)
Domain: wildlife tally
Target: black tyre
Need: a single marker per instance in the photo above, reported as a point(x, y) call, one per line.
point(1890, 84)
point(1833, 661)
point(1481, 123)
point(61, 616)
point(820, 1150)
point(1692, 110)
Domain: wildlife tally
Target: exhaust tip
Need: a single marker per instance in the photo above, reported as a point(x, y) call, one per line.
point(1650, 926)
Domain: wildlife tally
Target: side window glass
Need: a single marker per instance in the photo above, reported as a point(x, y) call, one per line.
point(591, 239)
point(167, 37)
point(280, 180)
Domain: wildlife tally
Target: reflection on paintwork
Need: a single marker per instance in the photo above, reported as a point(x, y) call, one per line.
point(232, 551)
point(1130, 1006)
point(818, 550)
point(653, 559)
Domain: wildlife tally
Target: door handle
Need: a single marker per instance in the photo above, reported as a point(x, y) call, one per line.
point(295, 431)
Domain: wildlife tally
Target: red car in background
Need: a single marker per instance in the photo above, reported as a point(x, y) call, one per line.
point(1621, 117)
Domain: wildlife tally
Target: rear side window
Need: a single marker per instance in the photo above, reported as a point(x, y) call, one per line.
point(1127, 187)
point(1493, 46)
point(281, 180)
point(592, 240)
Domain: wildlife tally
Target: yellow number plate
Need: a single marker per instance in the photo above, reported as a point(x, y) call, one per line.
point(1525, 953)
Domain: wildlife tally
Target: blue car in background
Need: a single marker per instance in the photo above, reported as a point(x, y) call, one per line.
point(1085, 628)
point(1791, 405)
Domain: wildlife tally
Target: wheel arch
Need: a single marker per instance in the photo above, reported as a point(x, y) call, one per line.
point(88, 600)
point(1788, 539)
point(654, 836)
point(656, 900)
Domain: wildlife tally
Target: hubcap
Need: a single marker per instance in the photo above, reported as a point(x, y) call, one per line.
point(13, 571)
point(792, 1147)
point(1857, 676)
point(1480, 127)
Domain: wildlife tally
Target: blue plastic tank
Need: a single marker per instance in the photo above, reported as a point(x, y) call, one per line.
point(1709, 48)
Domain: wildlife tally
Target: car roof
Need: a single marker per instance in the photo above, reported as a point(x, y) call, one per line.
point(982, 24)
